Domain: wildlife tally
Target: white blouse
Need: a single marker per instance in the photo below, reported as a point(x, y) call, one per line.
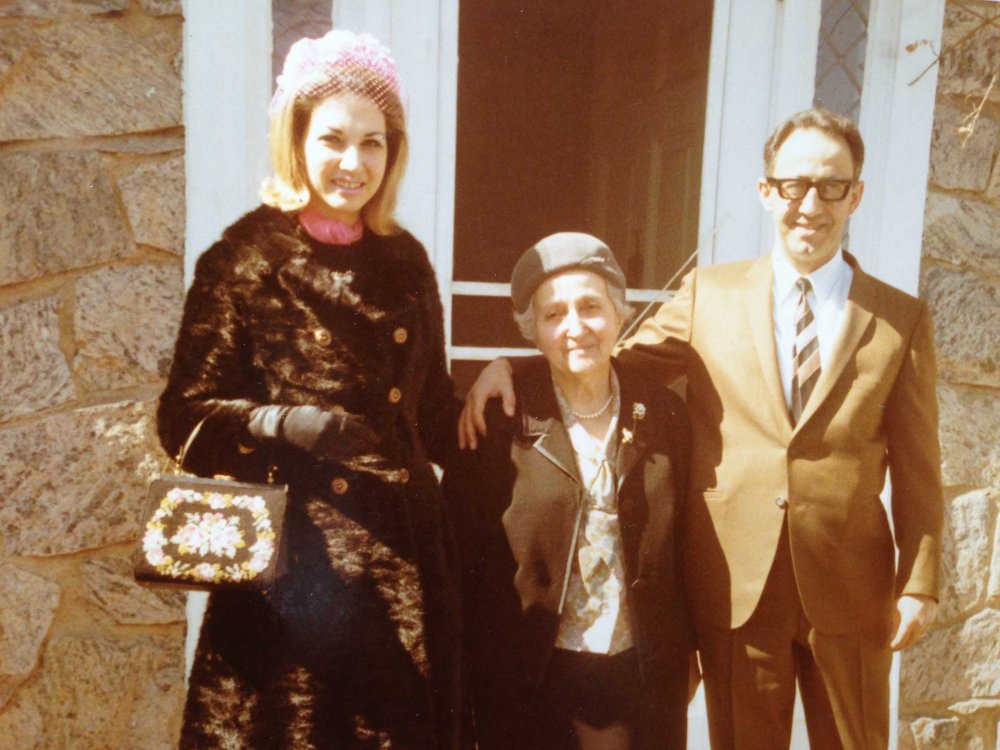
point(595, 616)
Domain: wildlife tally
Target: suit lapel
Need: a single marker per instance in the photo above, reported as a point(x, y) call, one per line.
point(632, 439)
point(628, 456)
point(857, 317)
point(760, 317)
point(543, 422)
point(553, 443)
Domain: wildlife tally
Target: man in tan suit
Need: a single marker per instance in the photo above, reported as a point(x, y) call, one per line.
point(806, 380)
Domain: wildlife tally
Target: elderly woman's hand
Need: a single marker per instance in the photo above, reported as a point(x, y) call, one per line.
point(325, 435)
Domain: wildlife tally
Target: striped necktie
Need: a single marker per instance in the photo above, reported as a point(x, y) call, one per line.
point(805, 352)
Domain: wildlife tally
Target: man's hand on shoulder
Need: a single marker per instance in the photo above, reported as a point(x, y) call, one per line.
point(495, 380)
point(914, 614)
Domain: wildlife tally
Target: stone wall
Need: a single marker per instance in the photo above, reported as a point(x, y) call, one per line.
point(91, 244)
point(950, 691)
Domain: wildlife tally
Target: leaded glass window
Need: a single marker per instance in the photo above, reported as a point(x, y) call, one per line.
point(840, 58)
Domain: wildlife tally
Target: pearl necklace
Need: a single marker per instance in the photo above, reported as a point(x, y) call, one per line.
point(597, 413)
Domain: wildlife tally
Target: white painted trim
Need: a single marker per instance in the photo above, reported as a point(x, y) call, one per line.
point(740, 89)
point(443, 254)
point(761, 69)
point(489, 353)
point(708, 211)
point(795, 59)
point(480, 289)
point(490, 289)
point(896, 120)
point(647, 295)
point(373, 16)
point(227, 86)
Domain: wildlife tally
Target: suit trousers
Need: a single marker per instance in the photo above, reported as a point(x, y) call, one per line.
point(750, 673)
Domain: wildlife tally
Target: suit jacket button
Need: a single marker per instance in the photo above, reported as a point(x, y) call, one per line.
point(404, 476)
point(781, 502)
point(400, 335)
point(395, 395)
point(322, 336)
point(339, 486)
point(639, 584)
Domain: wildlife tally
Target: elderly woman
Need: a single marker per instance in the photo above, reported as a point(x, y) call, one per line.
point(576, 632)
point(311, 342)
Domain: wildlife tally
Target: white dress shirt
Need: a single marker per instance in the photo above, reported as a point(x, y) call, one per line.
point(828, 300)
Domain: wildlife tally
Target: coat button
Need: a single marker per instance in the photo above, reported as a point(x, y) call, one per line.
point(400, 335)
point(322, 336)
point(395, 395)
point(639, 584)
point(404, 476)
point(781, 502)
point(339, 486)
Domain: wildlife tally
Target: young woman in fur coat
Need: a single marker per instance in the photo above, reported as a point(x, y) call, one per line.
point(312, 342)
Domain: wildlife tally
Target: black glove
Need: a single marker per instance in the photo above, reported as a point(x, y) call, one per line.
point(325, 435)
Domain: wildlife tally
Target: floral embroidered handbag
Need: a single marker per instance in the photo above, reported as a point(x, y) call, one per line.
point(208, 534)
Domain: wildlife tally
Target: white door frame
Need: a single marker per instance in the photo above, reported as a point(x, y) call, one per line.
point(897, 117)
point(761, 68)
point(227, 87)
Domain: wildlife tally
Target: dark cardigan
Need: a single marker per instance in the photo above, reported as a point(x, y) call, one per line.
point(355, 646)
point(515, 503)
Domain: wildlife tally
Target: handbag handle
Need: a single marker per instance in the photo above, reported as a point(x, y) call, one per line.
point(272, 468)
point(183, 450)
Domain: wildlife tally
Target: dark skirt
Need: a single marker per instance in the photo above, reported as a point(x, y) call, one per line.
point(593, 689)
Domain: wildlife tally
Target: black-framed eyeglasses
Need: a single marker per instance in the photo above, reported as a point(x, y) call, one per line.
point(796, 188)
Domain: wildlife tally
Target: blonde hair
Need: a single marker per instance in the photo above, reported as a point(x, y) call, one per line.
point(288, 187)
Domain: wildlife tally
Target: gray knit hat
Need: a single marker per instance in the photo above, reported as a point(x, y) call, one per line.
point(563, 251)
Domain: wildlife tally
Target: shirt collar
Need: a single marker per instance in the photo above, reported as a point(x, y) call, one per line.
point(823, 279)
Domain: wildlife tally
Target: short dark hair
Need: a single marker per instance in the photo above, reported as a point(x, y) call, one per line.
point(819, 119)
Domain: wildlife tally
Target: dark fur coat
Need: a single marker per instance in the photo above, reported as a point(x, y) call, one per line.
point(355, 646)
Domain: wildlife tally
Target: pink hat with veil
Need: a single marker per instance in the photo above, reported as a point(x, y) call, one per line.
point(340, 61)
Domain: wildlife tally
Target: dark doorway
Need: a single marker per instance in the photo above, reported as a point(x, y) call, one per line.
point(575, 115)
